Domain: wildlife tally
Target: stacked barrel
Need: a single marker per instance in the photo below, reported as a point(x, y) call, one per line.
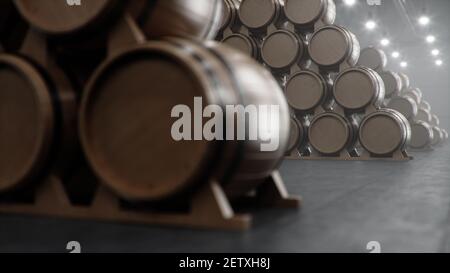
point(336, 105)
point(107, 74)
point(409, 101)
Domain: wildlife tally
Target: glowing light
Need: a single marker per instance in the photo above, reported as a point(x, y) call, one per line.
point(404, 64)
point(435, 52)
point(371, 25)
point(439, 62)
point(430, 39)
point(424, 20)
point(385, 42)
point(395, 54)
point(349, 2)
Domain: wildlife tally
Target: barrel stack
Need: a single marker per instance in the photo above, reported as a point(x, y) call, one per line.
point(408, 100)
point(87, 117)
point(337, 106)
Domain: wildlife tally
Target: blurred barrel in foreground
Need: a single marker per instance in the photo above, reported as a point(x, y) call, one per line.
point(142, 86)
point(199, 18)
point(37, 123)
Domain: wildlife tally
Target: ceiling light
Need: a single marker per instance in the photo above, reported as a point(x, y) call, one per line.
point(404, 64)
point(371, 25)
point(430, 39)
point(439, 62)
point(424, 20)
point(435, 52)
point(385, 42)
point(350, 2)
point(395, 54)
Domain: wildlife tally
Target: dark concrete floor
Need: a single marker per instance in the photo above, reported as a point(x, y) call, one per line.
point(404, 206)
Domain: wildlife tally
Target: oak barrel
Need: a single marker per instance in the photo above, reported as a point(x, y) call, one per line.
point(126, 120)
point(330, 134)
point(306, 14)
point(357, 88)
point(422, 135)
point(405, 105)
point(193, 18)
point(307, 90)
point(373, 58)
point(331, 46)
point(384, 132)
point(37, 123)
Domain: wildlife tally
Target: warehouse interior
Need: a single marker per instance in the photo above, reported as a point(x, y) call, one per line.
point(346, 205)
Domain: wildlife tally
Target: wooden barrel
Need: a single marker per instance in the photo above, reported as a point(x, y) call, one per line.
point(405, 105)
point(357, 88)
point(243, 43)
point(305, 15)
point(438, 136)
point(384, 132)
point(192, 18)
point(257, 15)
point(414, 94)
point(37, 123)
point(422, 135)
point(373, 58)
point(298, 136)
point(126, 120)
point(229, 14)
point(406, 83)
point(424, 115)
point(425, 105)
point(306, 91)
point(435, 121)
point(332, 46)
point(392, 83)
point(330, 134)
point(280, 61)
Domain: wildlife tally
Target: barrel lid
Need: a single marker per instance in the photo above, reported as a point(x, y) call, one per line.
point(421, 135)
point(256, 14)
point(305, 90)
point(424, 115)
point(26, 122)
point(381, 133)
point(304, 12)
point(354, 89)
point(406, 106)
point(373, 58)
point(291, 45)
point(58, 17)
point(392, 83)
point(126, 122)
point(242, 43)
point(329, 46)
point(329, 133)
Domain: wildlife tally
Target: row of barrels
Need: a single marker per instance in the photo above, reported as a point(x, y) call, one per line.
point(120, 120)
point(301, 44)
point(409, 101)
point(336, 103)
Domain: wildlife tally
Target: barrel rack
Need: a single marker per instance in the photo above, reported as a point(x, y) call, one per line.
point(210, 208)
